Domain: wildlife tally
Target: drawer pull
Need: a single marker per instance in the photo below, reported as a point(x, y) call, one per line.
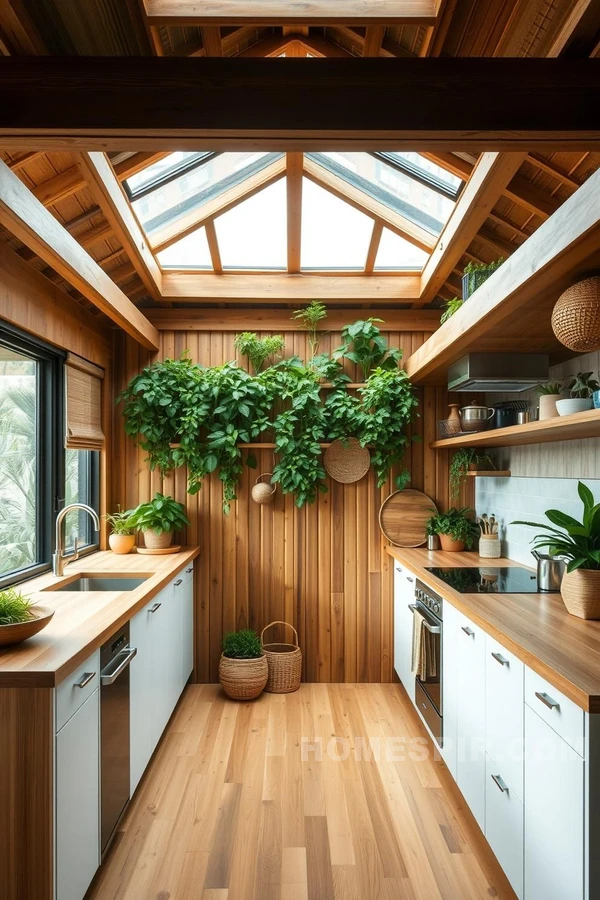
point(398, 569)
point(409, 579)
point(155, 607)
point(85, 679)
point(178, 582)
point(191, 569)
point(501, 659)
point(500, 783)
point(468, 631)
point(547, 700)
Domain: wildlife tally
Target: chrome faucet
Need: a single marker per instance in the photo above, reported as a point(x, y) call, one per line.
point(59, 560)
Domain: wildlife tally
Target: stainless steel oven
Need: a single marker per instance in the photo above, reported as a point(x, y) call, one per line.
point(428, 690)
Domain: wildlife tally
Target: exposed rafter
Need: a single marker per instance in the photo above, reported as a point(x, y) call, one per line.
point(136, 163)
point(294, 210)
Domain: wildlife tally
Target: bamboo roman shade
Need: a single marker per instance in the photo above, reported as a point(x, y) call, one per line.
point(84, 404)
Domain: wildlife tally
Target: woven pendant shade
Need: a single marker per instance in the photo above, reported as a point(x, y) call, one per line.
point(84, 404)
point(576, 316)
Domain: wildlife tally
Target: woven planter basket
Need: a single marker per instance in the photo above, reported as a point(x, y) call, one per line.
point(346, 461)
point(576, 316)
point(284, 662)
point(489, 546)
point(580, 591)
point(243, 679)
point(263, 493)
point(154, 541)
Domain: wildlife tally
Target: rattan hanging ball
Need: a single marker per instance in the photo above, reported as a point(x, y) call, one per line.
point(263, 492)
point(576, 316)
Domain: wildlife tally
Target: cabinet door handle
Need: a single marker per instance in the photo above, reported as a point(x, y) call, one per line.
point(409, 579)
point(468, 631)
point(178, 582)
point(501, 659)
point(547, 700)
point(85, 679)
point(500, 783)
point(191, 569)
point(398, 569)
point(155, 607)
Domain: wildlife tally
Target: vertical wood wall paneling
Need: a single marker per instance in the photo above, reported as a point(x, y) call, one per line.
point(322, 568)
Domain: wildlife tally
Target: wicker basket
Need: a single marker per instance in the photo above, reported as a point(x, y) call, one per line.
point(347, 461)
point(263, 493)
point(576, 316)
point(489, 546)
point(154, 541)
point(243, 679)
point(284, 662)
point(447, 428)
point(581, 593)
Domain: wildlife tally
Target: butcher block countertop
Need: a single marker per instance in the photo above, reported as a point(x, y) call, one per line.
point(83, 620)
point(535, 627)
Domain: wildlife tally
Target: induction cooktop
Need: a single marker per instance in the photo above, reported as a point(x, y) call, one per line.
point(487, 579)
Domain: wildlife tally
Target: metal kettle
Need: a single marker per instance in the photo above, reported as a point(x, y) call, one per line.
point(550, 571)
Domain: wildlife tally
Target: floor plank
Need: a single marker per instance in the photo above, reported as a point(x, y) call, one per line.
point(298, 797)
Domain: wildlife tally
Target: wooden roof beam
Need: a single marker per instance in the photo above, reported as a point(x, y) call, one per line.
point(374, 35)
point(293, 12)
point(65, 184)
point(294, 210)
point(211, 40)
point(136, 163)
point(25, 217)
point(486, 184)
point(207, 319)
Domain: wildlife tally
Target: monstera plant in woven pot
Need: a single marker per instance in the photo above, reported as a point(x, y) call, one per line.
point(578, 543)
point(243, 669)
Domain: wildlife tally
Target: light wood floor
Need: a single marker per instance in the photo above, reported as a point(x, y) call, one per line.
point(228, 810)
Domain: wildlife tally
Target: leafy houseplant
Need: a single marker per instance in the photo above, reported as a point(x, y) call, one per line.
point(365, 346)
point(243, 669)
point(258, 350)
point(549, 394)
point(464, 460)
point(452, 306)
point(310, 317)
point(578, 543)
point(456, 531)
point(158, 519)
point(474, 274)
point(581, 389)
point(122, 537)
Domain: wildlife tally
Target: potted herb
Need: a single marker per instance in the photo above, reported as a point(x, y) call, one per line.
point(258, 350)
point(549, 394)
point(310, 317)
point(452, 306)
point(466, 460)
point(578, 543)
point(122, 537)
point(456, 531)
point(581, 390)
point(243, 668)
point(158, 519)
point(474, 274)
point(19, 618)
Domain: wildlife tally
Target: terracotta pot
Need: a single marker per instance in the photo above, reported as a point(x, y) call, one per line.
point(121, 543)
point(154, 541)
point(548, 408)
point(243, 679)
point(451, 545)
point(580, 591)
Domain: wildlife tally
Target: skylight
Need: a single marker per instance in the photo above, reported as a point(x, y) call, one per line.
point(334, 234)
point(191, 252)
point(253, 234)
point(395, 253)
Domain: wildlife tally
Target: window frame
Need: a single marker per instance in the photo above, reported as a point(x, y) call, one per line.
point(427, 179)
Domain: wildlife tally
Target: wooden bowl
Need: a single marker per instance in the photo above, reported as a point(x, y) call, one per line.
point(20, 631)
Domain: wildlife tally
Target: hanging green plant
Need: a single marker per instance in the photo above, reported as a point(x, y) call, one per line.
point(462, 461)
point(365, 346)
point(452, 306)
point(258, 350)
point(310, 316)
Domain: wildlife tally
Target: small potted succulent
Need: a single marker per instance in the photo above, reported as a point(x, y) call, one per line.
point(243, 668)
point(581, 390)
point(455, 529)
point(158, 519)
point(549, 394)
point(466, 460)
point(578, 544)
point(19, 618)
point(122, 537)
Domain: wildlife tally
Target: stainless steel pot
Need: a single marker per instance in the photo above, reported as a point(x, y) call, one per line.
point(550, 571)
point(476, 418)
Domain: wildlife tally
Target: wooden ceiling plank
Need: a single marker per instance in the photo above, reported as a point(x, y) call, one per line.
point(136, 163)
point(272, 45)
point(95, 235)
point(65, 184)
point(486, 184)
point(211, 40)
point(283, 288)
point(18, 30)
point(575, 14)
point(530, 197)
point(16, 164)
point(213, 246)
point(547, 167)
point(373, 247)
point(374, 35)
point(371, 207)
point(318, 46)
point(25, 217)
point(110, 196)
point(294, 173)
point(209, 319)
point(293, 12)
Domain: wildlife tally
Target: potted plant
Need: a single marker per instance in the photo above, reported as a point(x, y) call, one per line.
point(258, 350)
point(158, 519)
point(466, 460)
point(456, 531)
point(474, 274)
point(243, 668)
point(578, 543)
point(549, 394)
point(122, 537)
point(19, 618)
point(452, 306)
point(581, 389)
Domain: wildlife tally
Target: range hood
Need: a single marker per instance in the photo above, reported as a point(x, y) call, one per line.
point(501, 372)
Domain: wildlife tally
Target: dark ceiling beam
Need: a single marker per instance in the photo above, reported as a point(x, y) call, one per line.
point(147, 104)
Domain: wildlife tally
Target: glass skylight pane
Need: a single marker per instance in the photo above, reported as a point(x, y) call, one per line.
point(253, 235)
point(191, 252)
point(427, 168)
point(163, 167)
point(334, 234)
point(395, 253)
point(196, 187)
point(395, 189)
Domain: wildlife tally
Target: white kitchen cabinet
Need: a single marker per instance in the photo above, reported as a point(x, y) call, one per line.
point(77, 804)
point(471, 716)
point(184, 596)
point(504, 824)
point(404, 595)
point(554, 814)
point(504, 705)
point(450, 688)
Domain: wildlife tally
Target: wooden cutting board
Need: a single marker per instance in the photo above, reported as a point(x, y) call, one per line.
point(403, 516)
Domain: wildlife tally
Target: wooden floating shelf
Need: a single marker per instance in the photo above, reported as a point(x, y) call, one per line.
point(266, 446)
point(490, 473)
point(562, 428)
point(351, 384)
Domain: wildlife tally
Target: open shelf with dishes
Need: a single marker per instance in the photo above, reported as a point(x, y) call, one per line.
point(562, 428)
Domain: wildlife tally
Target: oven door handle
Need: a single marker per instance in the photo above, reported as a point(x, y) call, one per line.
point(434, 629)
point(108, 676)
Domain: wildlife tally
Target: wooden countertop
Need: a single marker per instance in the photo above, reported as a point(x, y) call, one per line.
point(83, 621)
point(535, 627)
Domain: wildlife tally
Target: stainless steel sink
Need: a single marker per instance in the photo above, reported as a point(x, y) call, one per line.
point(101, 583)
